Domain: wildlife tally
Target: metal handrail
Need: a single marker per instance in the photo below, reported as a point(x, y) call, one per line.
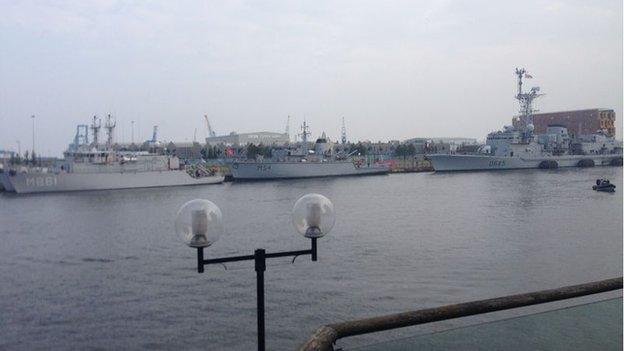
point(325, 337)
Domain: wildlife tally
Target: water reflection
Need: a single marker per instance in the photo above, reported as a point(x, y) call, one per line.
point(104, 269)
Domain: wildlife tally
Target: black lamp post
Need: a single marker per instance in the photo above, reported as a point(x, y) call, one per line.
point(199, 223)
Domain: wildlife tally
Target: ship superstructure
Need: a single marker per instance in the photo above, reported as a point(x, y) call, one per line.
point(519, 147)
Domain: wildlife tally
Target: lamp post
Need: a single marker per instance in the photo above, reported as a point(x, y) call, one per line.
point(199, 224)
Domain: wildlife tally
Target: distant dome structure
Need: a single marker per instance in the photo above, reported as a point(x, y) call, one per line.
point(323, 145)
point(322, 139)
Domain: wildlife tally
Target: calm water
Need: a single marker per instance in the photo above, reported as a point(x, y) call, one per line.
point(104, 270)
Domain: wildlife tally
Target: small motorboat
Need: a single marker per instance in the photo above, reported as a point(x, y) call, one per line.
point(604, 185)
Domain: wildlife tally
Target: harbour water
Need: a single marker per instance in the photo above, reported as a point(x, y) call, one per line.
point(104, 270)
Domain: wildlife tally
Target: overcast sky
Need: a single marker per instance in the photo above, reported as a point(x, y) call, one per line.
point(392, 69)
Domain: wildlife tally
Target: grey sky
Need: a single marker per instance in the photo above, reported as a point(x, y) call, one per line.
point(392, 69)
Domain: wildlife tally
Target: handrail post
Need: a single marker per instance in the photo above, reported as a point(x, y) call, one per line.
point(260, 266)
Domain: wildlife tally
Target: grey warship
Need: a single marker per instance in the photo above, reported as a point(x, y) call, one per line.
point(91, 166)
point(320, 162)
point(520, 147)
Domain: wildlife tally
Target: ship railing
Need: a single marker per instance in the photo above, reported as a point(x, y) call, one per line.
point(326, 336)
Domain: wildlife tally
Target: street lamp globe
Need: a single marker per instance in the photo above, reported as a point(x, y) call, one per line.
point(313, 215)
point(199, 223)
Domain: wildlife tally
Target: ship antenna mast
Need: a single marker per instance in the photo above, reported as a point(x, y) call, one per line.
point(110, 128)
point(304, 137)
point(526, 103)
point(343, 132)
point(287, 131)
point(95, 128)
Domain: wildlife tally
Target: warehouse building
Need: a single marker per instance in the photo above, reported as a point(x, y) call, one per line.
point(578, 122)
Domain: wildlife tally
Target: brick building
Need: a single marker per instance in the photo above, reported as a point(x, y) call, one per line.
point(578, 122)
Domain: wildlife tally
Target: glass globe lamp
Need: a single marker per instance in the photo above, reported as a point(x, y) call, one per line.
point(313, 216)
point(199, 223)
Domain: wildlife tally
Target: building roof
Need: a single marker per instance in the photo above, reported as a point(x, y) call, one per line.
point(184, 144)
point(574, 111)
point(235, 134)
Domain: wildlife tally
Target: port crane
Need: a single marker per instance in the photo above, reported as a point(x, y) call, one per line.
point(211, 132)
point(155, 134)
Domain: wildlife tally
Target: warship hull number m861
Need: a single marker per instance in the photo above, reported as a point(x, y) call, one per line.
point(91, 166)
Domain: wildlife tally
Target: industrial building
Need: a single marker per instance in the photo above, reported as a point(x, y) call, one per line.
point(5, 155)
point(185, 150)
point(257, 138)
point(440, 145)
point(578, 122)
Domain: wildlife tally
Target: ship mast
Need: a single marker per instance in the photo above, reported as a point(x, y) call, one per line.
point(110, 128)
point(526, 104)
point(95, 128)
point(304, 137)
point(343, 132)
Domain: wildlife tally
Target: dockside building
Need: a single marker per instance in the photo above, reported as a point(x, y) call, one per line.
point(578, 122)
point(257, 138)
